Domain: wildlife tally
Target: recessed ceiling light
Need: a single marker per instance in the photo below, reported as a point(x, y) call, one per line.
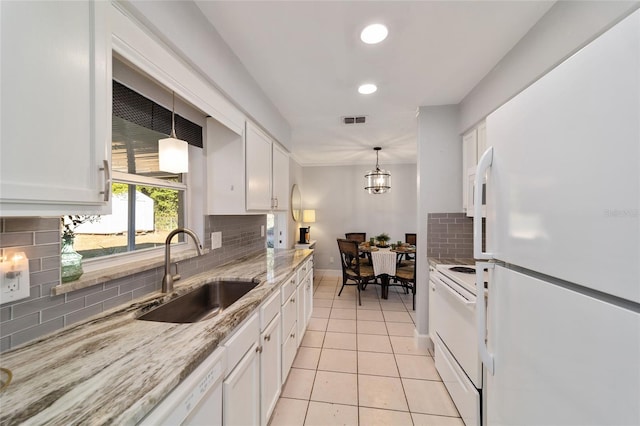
point(367, 89)
point(374, 33)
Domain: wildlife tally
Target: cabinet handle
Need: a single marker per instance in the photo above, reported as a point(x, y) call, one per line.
point(267, 337)
point(107, 180)
point(293, 335)
point(293, 300)
point(259, 349)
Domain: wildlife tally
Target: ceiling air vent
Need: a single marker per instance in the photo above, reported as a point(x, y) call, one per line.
point(358, 119)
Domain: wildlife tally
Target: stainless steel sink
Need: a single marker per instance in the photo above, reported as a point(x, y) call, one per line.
point(202, 303)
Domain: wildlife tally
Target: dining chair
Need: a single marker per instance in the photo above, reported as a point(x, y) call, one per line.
point(360, 237)
point(406, 276)
point(352, 268)
point(410, 239)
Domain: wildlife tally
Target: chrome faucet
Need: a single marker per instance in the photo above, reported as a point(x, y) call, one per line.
point(167, 281)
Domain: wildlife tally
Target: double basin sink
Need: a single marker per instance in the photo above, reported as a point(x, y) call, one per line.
point(202, 303)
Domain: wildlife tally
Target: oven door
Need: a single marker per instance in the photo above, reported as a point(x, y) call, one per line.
point(455, 319)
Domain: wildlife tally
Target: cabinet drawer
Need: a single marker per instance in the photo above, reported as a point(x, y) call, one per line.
point(303, 270)
point(463, 393)
point(288, 288)
point(242, 339)
point(269, 310)
point(289, 312)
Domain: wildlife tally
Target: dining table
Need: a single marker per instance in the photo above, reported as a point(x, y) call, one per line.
point(384, 261)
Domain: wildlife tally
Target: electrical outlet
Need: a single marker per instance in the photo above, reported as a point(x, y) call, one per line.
point(216, 240)
point(14, 278)
point(331, 259)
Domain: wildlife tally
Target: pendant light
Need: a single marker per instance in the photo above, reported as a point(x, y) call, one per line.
point(378, 180)
point(173, 153)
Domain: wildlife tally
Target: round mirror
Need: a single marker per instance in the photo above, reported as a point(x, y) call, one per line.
point(296, 203)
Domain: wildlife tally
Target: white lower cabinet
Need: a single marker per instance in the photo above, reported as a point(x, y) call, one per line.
point(241, 386)
point(308, 292)
point(289, 332)
point(289, 348)
point(301, 321)
point(254, 362)
point(270, 364)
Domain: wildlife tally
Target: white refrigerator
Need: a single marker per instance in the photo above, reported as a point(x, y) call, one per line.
point(560, 341)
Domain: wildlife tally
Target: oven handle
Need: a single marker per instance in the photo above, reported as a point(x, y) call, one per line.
point(481, 317)
point(483, 165)
point(468, 303)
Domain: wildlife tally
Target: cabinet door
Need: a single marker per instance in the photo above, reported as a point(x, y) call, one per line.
point(258, 169)
point(241, 391)
point(270, 366)
point(280, 178)
point(224, 152)
point(469, 154)
point(482, 141)
point(55, 123)
point(289, 349)
point(301, 322)
point(308, 297)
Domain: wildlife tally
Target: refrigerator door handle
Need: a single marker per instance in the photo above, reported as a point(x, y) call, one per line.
point(481, 317)
point(483, 165)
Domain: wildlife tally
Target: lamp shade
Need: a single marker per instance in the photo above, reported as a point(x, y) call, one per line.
point(309, 216)
point(173, 155)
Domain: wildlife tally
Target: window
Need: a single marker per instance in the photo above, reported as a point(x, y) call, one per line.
point(147, 203)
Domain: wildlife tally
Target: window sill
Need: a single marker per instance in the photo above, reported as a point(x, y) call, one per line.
point(122, 268)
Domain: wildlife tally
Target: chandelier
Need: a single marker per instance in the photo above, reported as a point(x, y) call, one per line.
point(378, 180)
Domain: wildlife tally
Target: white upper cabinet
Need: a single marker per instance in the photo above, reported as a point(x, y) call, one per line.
point(474, 144)
point(267, 172)
point(55, 125)
point(258, 163)
point(280, 177)
point(224, 151)
point(469, 157)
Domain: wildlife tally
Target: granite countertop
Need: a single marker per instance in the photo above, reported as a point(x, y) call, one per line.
point(433, 261)
point(113, 368)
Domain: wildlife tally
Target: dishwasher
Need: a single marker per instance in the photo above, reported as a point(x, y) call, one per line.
point(197, 400)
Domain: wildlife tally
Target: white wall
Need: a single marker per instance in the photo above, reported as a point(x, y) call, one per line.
point(295, 177)
point(342, 205)
point(564, 29)
point(181, 25)
point(439, 186)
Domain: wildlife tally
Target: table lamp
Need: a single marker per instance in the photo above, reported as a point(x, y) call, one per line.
point(308, 216)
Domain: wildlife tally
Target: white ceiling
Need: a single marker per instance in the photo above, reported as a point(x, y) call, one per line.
point(308, 58)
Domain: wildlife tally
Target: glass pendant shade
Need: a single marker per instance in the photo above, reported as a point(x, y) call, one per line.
point(378, 180)
point(173, 153)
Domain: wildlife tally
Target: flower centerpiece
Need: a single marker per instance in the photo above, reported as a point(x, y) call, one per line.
point(70, 260)
point(382, 240)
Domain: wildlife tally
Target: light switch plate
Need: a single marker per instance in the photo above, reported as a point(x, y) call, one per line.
point(262, 230)
point(216, 240)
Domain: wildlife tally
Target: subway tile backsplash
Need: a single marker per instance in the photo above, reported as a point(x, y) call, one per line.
point(450, 235)
point(41, 313)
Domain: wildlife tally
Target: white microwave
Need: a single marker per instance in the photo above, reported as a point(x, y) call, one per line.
point(471, 191)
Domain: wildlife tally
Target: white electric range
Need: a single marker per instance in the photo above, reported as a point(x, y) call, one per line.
point(456, 348)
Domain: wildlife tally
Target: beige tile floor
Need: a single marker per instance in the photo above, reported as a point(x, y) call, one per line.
point(359, 365)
